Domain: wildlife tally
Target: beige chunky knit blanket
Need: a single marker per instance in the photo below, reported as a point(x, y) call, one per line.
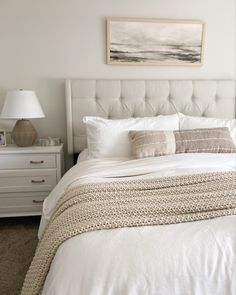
point(131, 203)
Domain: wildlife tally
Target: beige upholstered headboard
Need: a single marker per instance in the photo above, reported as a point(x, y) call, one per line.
point(138, 98)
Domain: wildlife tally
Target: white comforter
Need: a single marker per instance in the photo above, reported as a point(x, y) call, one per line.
point(197, 258)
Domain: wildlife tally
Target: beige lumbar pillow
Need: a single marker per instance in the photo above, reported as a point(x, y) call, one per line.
point(159, 143)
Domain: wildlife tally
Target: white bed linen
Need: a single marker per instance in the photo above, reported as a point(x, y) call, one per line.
point(84, 155)
point(103, 142)
point(195, 258)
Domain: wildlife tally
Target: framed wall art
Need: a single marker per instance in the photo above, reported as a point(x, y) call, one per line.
point(155, 42)
point(3, 139)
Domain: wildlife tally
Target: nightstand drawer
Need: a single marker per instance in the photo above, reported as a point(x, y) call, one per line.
point(27, 176)
point(22, 202)
point(27, 180)
point(29, 161)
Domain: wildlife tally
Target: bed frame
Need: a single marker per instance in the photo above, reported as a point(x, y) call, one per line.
point(116, 99)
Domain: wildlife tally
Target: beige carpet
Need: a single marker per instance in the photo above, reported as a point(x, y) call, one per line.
point(18, 240)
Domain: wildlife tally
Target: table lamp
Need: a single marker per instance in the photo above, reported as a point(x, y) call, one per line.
point(22, 105)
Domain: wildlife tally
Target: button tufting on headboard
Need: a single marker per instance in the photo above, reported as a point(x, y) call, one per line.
point(119, 99)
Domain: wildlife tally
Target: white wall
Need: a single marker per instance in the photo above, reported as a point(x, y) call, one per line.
point(43, 42)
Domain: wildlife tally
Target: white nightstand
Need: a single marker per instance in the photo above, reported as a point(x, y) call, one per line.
point(27, 175)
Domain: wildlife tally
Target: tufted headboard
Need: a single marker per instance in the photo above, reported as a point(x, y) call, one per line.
point(117, 99)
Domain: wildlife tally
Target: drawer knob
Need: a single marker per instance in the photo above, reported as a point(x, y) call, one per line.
point(37, 181)
point(37, 201)
point(37, 162)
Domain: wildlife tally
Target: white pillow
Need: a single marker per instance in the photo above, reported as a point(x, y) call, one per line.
point(109, 138)
point(190, 122)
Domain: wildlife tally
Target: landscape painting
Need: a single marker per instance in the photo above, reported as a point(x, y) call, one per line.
point(154, 42)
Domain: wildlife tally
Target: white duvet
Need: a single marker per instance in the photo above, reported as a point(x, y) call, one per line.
point(196, 258)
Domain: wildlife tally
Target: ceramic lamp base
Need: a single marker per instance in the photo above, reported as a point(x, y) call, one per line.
point(24, 133)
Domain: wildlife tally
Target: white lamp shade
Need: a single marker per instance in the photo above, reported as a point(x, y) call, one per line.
point(21, 104)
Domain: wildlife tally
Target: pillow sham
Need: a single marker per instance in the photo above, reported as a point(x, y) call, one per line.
point(159, 143)
point(191, 122)
point(109, 138)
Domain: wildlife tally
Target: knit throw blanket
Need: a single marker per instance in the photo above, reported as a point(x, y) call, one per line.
point(118, 204)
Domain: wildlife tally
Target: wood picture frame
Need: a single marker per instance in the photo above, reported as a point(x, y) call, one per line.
point(3, 138)
point(163, 42)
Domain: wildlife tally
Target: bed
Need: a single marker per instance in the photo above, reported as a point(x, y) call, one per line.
point(192, 258)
